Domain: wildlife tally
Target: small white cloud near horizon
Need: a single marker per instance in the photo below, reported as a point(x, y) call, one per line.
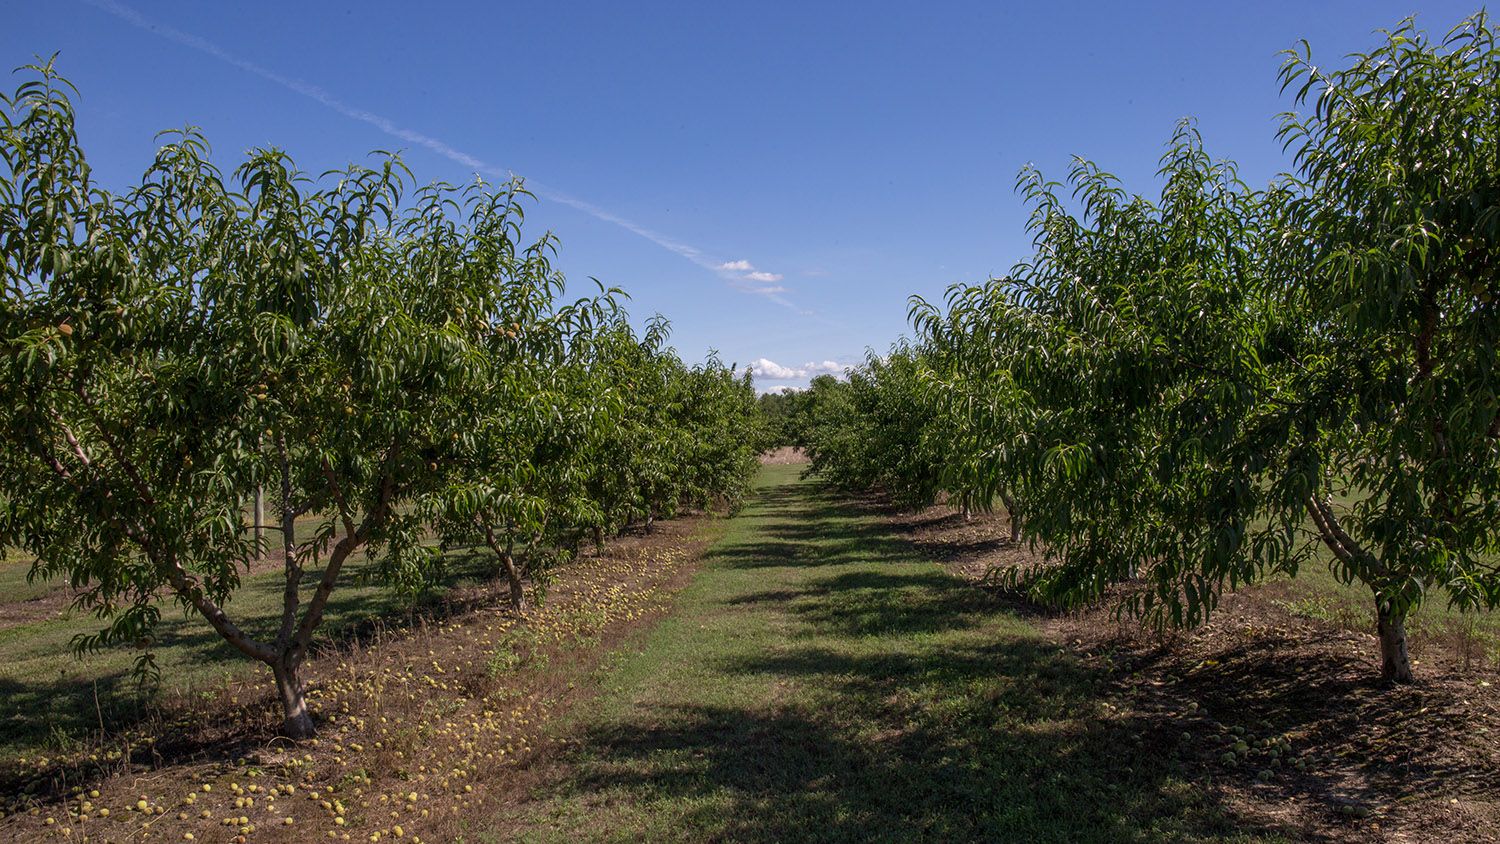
point(761, 283)
point(827, 367)
point(770, 369)
point(773, 371)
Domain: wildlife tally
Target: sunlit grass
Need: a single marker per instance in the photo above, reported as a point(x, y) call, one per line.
point(821, 681)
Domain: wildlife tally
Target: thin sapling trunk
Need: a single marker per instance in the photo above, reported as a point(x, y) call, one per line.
point(1014, 517)
point(260, 521)
point(508, 567)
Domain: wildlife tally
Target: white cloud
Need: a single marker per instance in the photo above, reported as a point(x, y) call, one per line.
point(773, 371)
point(762, 283)
point(770, 369)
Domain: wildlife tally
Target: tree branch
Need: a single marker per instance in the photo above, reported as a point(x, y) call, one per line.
point(346, 546)
point(1342, 545)
point(338, 496)
point(126, 465)
point(185, 586)
point(291, 592)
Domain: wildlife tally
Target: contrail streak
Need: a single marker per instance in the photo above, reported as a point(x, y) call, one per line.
point(435, 145)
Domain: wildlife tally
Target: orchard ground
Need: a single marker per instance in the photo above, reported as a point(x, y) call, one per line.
point(814, 669)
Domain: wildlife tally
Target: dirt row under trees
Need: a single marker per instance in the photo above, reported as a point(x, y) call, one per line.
point(422, 722)
point(1354, 760)
point(425, 725)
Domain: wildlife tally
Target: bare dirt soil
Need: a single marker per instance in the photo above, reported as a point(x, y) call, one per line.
point(422, 724)
point(783, 456)
point(1353, 760)
point(437, 725)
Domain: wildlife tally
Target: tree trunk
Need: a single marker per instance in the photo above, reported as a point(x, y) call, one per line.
point(1015, 520)
point(508, 567)
point(260, 521)
point(298, 723)
point(513, 575)
point(1390, 624)
point(650, 521)
point(964, 510)
point(599, 540)
point(1395, 662)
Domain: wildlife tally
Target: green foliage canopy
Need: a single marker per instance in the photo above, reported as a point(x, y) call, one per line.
point(1197, 392)
point(392, 362)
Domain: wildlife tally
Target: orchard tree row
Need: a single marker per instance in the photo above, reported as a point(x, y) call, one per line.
point(195, 368)
point(1196, 392)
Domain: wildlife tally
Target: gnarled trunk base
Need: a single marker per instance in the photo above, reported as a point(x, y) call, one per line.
point(1395, 661)
point(297, 722)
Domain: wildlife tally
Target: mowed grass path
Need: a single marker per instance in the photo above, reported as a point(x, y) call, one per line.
point(819, 680)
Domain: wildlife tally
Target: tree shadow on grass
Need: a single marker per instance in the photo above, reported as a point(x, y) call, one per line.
point(923, 711)
point(1367, 747)
point(805, 525)
point(996, 743)
point(865, 603)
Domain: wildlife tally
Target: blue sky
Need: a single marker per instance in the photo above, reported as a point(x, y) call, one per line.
point(776, 178)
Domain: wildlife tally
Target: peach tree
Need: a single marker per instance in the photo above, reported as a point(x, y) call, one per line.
point(1397, 216)
point(171, 349)
point(1204, 390)
point(1227, 379)
point(516, 481)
